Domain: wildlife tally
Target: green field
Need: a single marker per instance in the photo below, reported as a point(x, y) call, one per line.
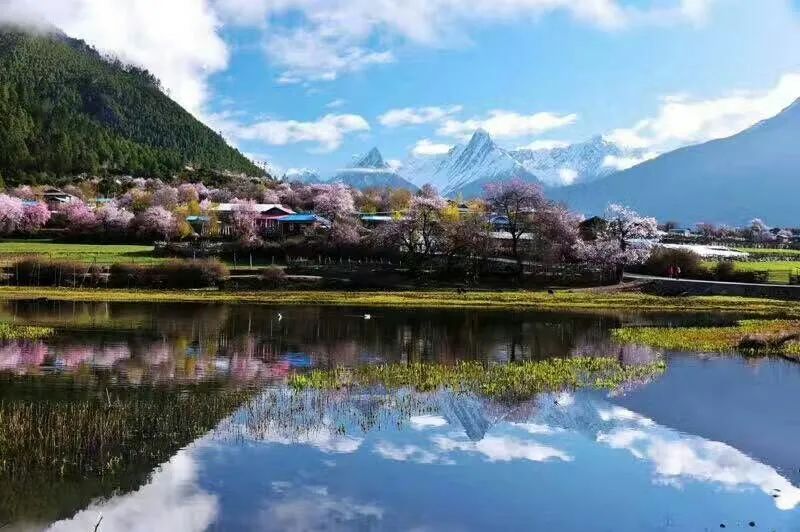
point(99, 253)
point(771, 252)
point(779, 270)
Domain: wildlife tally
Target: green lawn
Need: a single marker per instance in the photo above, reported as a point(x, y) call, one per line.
point(100, 253)
point(779, 270)
point(766, 252)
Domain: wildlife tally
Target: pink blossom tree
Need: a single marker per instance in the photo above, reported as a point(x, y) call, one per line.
point(79, 217)
point(23, 192)
point(34, 216)
point(188, 192)
point(515, 201)
point(11, 214)
point(166, 197)
point(556, 231)
point(156, 222)
point(243, 223)
point(114, 219)
point(334, 201)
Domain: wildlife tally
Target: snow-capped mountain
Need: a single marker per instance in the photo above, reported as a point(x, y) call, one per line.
point(371, 171)
point(465, 169)
point(302, 175)
point(578, 163)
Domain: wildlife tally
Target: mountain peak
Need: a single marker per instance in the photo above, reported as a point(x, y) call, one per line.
point(372, 159)
point(480, 139)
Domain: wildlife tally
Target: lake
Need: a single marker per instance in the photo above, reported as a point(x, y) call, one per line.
point(193, 427)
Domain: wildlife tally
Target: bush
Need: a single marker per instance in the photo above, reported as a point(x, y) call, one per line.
point(200, 273)
point(688, 261)
point(35, 271)
point(273, 277)
point(726, 271)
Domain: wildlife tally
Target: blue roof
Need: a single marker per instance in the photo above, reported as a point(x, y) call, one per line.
point(302, 218)
point(377, 218)
point(197, 218)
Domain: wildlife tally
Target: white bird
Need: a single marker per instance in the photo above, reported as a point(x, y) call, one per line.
point(367, 316)
point(280, 316)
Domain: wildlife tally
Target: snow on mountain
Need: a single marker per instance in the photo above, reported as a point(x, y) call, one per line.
point(465, 169)
point(580, 162)
point(371, 171)
point(302, 175)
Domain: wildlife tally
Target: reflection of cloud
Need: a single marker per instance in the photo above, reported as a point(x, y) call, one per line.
point(538, 429)
point(427, 421)
point(502, 448)
point(313, 508)
point(171, 500)
point(408, 453)
point(677, 456)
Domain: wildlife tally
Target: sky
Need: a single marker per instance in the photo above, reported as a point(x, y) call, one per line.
point(315, 83)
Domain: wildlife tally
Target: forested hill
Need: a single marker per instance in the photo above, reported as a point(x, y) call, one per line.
point(65, 109)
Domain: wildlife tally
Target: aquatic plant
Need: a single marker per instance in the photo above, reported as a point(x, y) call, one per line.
point(578, 301)
point(11, 331)
point(753, 336)
point(507, 381)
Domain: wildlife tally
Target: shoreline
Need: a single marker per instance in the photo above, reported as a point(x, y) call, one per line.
point(566, 300)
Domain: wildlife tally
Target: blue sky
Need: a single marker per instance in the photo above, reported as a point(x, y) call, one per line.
point(311, 83)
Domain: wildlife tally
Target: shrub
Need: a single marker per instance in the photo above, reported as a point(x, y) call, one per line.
point(273, 277)
point(689, 262)
point(34, 271)
point(200, 273)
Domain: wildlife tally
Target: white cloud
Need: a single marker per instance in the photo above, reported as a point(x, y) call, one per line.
point(335, 104)
point(394, 164)
point(567, 175)
point(681, 120)
point(171, 500)
point(425, 147)
point(416, 115)
point(305, 56)
point(623, 163)
point(408, 453)
point(503, 449)
point(677, 457)
point(422, 422)
point(331, 37)
point(507, 124)
point(178, 41)
point(328, 132)
point(544, 145)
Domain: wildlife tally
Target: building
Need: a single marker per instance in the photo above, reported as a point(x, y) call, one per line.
point(297, 224)
point(267, 215)
point(55, 198)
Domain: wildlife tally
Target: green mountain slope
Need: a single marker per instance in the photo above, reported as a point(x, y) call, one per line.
point(65, 109)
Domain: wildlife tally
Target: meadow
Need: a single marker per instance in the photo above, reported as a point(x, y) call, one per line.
point(779, 271)
point(89, 253)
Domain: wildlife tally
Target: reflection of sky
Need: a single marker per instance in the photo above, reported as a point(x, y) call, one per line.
point(562, 462)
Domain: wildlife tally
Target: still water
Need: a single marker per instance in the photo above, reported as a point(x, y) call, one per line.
point(710, 444)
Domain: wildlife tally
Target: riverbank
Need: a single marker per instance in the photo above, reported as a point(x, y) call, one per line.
point(566, 300)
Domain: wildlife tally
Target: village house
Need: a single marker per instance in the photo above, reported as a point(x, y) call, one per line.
point(299, 223)
point(55, 198)
point(267, 215)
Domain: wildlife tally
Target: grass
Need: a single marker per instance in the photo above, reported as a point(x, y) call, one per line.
point(770, 252)
point(777, 270)
point(506, 381)
point(10, 331)
point(99, 253)
point(717, 339)
point(579, 300)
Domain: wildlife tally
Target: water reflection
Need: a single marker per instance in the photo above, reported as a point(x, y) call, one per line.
point(318, 461)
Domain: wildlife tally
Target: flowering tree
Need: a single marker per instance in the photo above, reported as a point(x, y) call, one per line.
point(34, 216)
point(466, 240)
point(166, 197)
point(11, 214)
point(156, 222)
point(419, 232)
point(334, 201)
point(556, 231)
point(243, 223)
point(114, 219)
point(79, 217)
point(617, 244)
point(344, 232)
point(23, 192)
point(516, 200)
point(188, 192)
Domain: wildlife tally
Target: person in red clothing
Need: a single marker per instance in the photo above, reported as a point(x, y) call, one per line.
point(670, 271)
